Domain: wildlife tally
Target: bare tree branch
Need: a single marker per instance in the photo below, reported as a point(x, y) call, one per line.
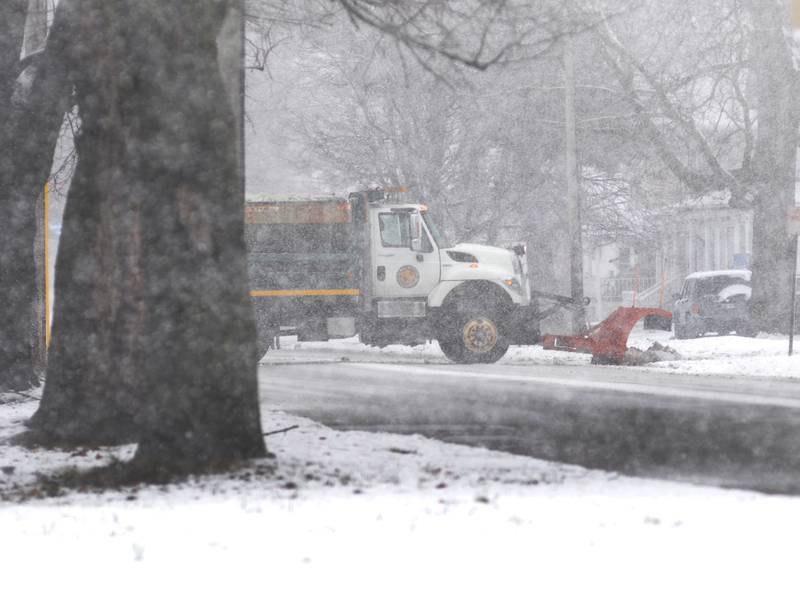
point(625, 65)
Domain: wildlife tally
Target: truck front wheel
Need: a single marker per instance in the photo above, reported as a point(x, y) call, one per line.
point(476, 337)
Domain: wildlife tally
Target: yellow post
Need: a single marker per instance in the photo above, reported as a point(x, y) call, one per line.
point(796, 14)
point(46, 267)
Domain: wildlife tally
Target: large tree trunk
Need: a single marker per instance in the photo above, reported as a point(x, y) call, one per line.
point(774, 164)
point(153, 335)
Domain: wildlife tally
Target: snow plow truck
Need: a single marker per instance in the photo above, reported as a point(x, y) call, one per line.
point(371, 265)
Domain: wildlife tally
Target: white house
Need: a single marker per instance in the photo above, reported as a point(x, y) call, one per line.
point(700, 234)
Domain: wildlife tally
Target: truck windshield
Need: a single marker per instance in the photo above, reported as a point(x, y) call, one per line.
point(439, 238)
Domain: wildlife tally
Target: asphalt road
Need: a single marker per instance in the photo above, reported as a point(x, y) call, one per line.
point(725, 431)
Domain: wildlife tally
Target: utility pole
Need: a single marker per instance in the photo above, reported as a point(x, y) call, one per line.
point(35, 36)
point(573, 191)
point(793, 232)
point(793, 221)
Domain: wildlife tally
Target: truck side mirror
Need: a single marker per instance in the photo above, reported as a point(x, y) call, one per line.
point(416, 232)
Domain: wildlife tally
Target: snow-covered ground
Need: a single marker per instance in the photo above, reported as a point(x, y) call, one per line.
point(764, 356)
point(354, 513)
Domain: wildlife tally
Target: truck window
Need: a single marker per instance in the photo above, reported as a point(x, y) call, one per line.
point(395, 229)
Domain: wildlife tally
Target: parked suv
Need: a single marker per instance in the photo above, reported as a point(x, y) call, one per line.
point(713, 301)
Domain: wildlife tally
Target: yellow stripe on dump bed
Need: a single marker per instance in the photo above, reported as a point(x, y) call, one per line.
point(320, 292)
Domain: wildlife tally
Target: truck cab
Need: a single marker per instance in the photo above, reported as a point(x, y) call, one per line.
point(392, 277)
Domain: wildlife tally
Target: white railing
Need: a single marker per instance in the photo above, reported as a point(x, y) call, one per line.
point(659, 293)
point(614, 289)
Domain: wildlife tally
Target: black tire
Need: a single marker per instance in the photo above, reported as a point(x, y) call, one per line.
point(475, 337)
point(471, 323)
point(605, 360)
point(265, 341)
point(451, 349)
point(266, 328)
point(680, 331)
point(683, 331)
point(264, 344)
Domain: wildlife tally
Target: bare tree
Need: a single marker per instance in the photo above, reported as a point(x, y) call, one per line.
point(483, 147)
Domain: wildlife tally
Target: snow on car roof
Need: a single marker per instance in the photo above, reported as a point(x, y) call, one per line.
point(737, 273)
point(734, 290)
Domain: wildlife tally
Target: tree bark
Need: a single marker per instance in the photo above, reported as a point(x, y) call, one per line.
point(16, 225)
point(774, 165)
point(153, 334)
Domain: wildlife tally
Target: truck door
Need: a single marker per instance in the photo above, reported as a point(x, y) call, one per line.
point(398, 270)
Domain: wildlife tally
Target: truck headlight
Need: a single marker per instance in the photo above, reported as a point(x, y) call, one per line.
point(513, 284)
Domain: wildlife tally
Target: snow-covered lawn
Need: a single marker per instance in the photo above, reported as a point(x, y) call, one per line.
point(763, 356)
point(354, 513)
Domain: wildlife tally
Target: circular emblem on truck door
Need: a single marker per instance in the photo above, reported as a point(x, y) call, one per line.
point(407, 276)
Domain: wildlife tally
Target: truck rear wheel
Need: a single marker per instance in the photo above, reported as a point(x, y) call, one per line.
point(266, 338)
point(477, 338)
point(264, 344)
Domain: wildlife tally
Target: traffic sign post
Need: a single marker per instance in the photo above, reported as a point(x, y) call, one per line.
point(793, 221)
point(793, 229)
point(794, 299)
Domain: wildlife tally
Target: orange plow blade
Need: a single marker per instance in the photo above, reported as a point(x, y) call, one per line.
point(608, 340)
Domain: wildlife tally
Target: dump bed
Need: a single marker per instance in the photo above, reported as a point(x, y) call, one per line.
point(308, 247)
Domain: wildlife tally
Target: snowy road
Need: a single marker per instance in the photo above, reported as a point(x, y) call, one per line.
point(725, 431)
